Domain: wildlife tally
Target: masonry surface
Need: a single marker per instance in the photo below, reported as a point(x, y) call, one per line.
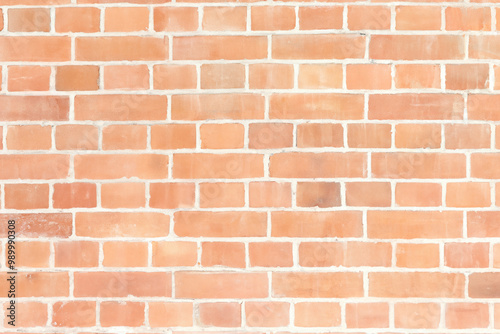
point(251, 166)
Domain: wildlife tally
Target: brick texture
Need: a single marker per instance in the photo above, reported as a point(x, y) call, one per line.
point(251, 167)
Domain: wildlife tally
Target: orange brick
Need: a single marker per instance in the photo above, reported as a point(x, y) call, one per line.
point(35, 48)
point(175, 18)
point(416, 285)
point(316, 106)
point(121, 224)
point(174, 77)
point(219, 76)
point(28, 314)
point(36, 225)
point(219, 47)
point(74, 314)
point(416, 106)
point(121, 48)
point(464, 136)
point(119, 19)
point(317, 314)
point(341, 224)
point(28, 78)
point(483, 285)
point(467, 76)
point(270, 194)
point(418, 136)
point(484, 47)
point(365, 135)
point(368, 76)
point(130, 314)
point(414, 224)
point(312, 18)
point(173, 136)
point(77, 137)
point(368, 17)
point(320, 135)
point(217, 106)
point(468, 194)
point(126, 77)
point(322, 46)
point(417, 255)
point(466, 255)
point(417, 47)
point(270, 76)
point(273, 18)
point(317, 76)
point(219, 314)
point(417, 76)
point(496, 256)
point(368, 194)
point(468, 18)
point(214, 166)
point(123, 195)
point(417, 315)
point(49, 166)
point(220, 224)
point(317, 284)
point(484, 165)
point(270, 135)
point(483, 107)
point(322, 254)
point(124, 137)
point(172, 195)
point(311, 165)
point(120, 107)
point(318, 194)
point(29, 19)
point(77, 19)
point(270, 254)
point(418, 165)
point(367, 315)
point(220, 285)
point(125, 254)
point(483, 224)
point(29, 137)
point(39, 284)
point(117, 166)
point(467, 315)
point(221, 136)
point(74, 195)
point(418, 18)
point(418, 194)
point(26, 196)
point(225, 18)
point(220, 195)
point(76, 254)
point(30, 254)
point(174, 253)
point(170, 314)
point(96, 284)
point(267, 314)
point(77, 78)
point(226, 254)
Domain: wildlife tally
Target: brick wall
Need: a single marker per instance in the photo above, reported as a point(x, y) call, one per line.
point(251, 166)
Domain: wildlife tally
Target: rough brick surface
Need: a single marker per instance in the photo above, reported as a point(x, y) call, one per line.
point(251, 167)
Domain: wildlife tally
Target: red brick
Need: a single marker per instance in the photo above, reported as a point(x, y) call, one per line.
point(317, 285)
point(121, 48)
